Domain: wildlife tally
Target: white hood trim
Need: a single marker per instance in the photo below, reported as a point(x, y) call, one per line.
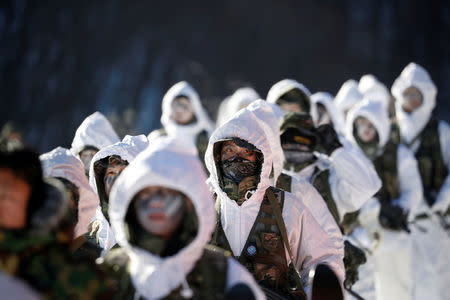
point(284, 86)
point(372, 88)
point(326, 99)
point(60, 162)
point(186, 131)
point(412, 124)
point(348, 95)
point(163, 164)
point(241, 97)
point(94, 131)
point(374, 111)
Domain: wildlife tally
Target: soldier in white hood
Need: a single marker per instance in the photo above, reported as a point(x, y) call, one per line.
point(370, 87)
point(61, 164)
point(241, 98)
point(270, 231)
point(347, 96)
point(429, 139)
point(183, 116)
point(290, 95)
point(324, 111)
point(369, 127)
point(163, 216)
point(106, 166)
point(93, 134)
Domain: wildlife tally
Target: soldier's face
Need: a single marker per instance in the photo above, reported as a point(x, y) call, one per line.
point(86, 158)
point(365, 130)
point(112, 172)
point(412, 99)
point(14, 197)
point(230, 150)
point(159, 210)
point(290, 107)
point(182, 111)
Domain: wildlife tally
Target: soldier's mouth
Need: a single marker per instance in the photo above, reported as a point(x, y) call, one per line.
point(157, 217)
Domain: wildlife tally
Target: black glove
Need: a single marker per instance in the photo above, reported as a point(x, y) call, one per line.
point(353, 258)
point(327, 139)
point(393, 217)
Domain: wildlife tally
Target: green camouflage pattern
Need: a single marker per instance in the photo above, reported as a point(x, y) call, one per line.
point(49, 267)
point(237, 192)
point(207, 280)
point(386, 167)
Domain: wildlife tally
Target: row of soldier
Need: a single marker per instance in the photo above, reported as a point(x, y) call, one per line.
point(356, 185)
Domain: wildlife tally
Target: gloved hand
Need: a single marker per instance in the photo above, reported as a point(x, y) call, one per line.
point(353, 258)
point(393, 217)
point(327, 139)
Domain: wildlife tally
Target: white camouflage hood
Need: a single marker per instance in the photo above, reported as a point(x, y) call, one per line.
point(347, 96)
point(412, 124)
point(95, 131)
point(282, 87)
point(326, 99)
point(371, 87)
point(375, 112)
point(165, 164)
point(248, 126)
point(240, 99)
point(127, 149)
point(203, 122)
point(60, 162)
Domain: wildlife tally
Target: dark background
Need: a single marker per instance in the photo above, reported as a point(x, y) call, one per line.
point(62, 60)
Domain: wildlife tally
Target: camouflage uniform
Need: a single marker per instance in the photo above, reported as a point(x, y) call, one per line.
point(48, 266)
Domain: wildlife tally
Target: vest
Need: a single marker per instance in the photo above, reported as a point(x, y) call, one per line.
point(386, 167)
point(264, 253)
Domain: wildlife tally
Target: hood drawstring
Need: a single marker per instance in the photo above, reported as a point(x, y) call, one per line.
point(186, 292)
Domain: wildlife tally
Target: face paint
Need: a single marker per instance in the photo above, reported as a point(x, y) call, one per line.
point(86, 158)
point(111, 174)
point(182, 111)
point(159, 210)
point(238, 162)
point(365, 130)
point(412, 99)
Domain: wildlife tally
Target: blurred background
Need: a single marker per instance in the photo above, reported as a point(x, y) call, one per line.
point(62, 60)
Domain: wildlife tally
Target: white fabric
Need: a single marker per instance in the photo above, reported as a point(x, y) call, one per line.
point(14, 289)
point(128, 149)
point(222, 111)
point(170, 165)
point(240, 99)
point(347, 96)
point(375, 112)
point(371, 87)
point(326, 99)
point(185, 132)
point(309, 242)
point(282, 87)
point(95, 131)
point(60, 162)
point(412, 124)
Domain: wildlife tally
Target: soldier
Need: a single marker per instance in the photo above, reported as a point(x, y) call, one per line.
point(31, 246)
point(93, 134)
point(341, 174)
point(163, 215)
point(369, 127)
point(106, 167)
point(290, 95)
point(184, 116)
point(62, 165)
point(268, 230)
point(324, 111)
point(429, 139)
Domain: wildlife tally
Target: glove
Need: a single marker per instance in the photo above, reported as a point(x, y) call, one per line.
point(353, 258)
point(392, 217)
point(327, 139)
